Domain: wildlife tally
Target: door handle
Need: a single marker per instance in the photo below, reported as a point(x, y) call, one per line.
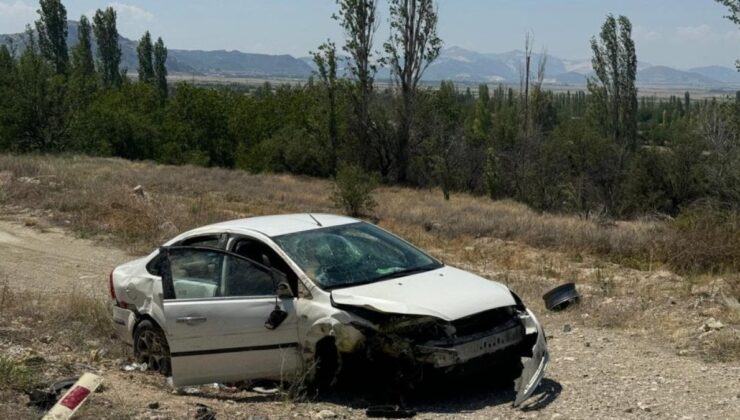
point(191, 320)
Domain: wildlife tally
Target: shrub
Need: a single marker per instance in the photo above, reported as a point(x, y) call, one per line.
point(707, 238)
point(353, 190)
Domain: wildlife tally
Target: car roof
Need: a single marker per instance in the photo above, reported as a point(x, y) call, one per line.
point(275, 225)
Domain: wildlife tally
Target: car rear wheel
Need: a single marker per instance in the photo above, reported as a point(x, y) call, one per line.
point(150, 347)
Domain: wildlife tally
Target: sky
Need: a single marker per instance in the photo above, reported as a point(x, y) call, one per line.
point(677, 33)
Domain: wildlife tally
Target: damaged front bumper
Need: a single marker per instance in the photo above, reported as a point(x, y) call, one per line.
point(534, 366)
point(441, 356)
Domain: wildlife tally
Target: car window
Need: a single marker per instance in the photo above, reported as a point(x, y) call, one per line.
point(208, 241)
point(199, 273)
point(353, 254)
point(258, 251)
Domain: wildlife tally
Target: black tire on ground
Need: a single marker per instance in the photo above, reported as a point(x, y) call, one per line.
point(327, 365)
point(150, 347)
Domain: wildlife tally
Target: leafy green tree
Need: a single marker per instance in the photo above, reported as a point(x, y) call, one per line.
point(160, 67)
point(82, 55)
point(52, 34)
point(41, 114)
point(734, 16)
point(109, 51)
point(448, 138)
point(613, 90)
point(353, 191)
point(144, 52)
point(8, 98)
point(413, 45)
point(326, 63)
point(359, 20)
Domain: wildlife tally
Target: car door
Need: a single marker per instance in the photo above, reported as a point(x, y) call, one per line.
point(216, 304)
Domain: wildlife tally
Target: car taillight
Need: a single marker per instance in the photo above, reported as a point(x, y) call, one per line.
point(112, 290)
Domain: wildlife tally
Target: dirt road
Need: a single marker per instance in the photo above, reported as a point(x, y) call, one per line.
point(594, 374)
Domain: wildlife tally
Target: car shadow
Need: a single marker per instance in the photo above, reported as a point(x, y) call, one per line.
point(449, 397)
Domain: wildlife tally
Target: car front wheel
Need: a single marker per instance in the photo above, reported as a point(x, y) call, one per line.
point(150, 347)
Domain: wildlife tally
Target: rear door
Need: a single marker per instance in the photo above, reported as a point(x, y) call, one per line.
point(216, 304)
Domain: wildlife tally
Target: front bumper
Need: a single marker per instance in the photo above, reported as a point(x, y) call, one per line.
point(441, 356)
point(534, 367)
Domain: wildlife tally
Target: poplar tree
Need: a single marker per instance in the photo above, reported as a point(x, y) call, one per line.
point(144, 52)
point(109, 52)
point(52, 34)
point(359, 20)
point(413, 45)
point(82, 56)
point(613, 90)
point(326, 64)
point(160, 67)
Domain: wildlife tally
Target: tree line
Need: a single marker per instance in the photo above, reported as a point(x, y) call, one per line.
point(603, 150)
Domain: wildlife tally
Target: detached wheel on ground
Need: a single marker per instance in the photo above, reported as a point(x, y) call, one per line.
point(150, 347)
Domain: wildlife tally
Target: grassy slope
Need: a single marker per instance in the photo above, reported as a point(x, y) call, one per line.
point(623, 283)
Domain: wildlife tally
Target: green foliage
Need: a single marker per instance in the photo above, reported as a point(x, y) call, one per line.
point(82, 56)
point(16, 375)
point(144, 52)
point(52, 32)
point(109, 52)
point(353, 191)
point(160, 68)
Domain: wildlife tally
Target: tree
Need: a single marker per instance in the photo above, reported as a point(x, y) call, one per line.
point(160, 67)
point(144, 52)
point(109, 51)
point(358, 19)
point(734, 16)
point(326, 63)
point(613, 90)
point(52, 33)
point(413, 45)
point(82, 56)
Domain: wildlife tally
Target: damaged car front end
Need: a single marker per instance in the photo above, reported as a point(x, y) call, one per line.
point(507, 342)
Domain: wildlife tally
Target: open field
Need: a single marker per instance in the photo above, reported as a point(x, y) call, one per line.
point(644, 342)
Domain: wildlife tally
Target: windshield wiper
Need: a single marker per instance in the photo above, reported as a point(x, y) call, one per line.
point(407, 272)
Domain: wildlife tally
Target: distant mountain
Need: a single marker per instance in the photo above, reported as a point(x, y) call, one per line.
point(723, 74)
point(454, 63)
point(662, 75)
point(211, 63)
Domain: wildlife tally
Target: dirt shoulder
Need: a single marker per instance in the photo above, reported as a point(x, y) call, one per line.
point(594, 373)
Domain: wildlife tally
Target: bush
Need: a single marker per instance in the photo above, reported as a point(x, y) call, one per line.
point(353, 191)
point(707, 238)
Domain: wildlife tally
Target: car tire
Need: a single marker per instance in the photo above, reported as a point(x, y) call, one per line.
point(150, 347)
point(327, 365)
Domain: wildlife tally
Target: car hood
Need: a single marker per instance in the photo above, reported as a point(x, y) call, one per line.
point(446, 293)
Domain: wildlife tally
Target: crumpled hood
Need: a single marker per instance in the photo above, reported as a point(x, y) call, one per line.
point(446, 293)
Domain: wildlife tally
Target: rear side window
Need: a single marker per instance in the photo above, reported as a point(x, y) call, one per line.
point(199, 273)
point(154, 266)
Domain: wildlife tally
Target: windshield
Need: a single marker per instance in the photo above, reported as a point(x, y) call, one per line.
point(354, 254)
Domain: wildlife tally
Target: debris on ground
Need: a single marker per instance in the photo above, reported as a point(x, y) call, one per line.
point(45, 398)
point(154, 405)
point(711, 324)
point(204, 412)
point(561, 297)
point(141, 367)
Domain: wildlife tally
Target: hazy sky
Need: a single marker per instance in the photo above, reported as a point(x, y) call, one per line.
point(678, 33)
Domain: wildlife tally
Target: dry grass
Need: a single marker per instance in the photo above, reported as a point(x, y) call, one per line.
point(95, 196)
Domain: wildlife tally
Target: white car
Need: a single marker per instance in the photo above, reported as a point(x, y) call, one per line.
point(271, 297)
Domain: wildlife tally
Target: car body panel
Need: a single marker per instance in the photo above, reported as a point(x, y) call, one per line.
point(233, 344)
point(228, 341)
point(446, 293)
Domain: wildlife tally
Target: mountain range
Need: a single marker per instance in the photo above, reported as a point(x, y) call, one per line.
point(454, 63)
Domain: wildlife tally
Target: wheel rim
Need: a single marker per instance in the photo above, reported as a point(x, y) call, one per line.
point(151, 349)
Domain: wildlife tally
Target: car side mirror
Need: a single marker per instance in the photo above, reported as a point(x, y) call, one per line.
point(284, 291)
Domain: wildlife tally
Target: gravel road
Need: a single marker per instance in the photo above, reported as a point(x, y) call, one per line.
point(594, 374)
